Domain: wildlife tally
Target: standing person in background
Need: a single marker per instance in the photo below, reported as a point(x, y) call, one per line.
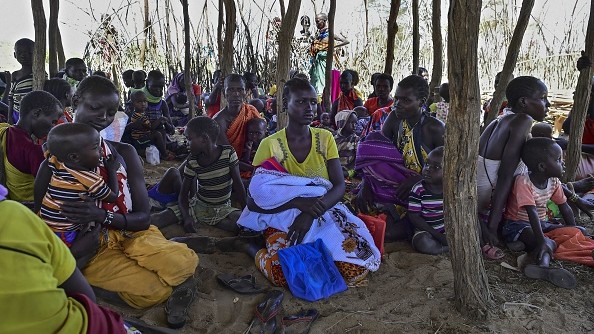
point(20, 82)
point(76, 70)
point(213, 100)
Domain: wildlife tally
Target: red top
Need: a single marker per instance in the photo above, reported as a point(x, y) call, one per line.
point(22, 152)
point(588, 137)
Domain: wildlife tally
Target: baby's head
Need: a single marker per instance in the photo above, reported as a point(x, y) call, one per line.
point(325, 119)
point(256, 130)
point(542, 129)
point(202, 133)
point(543, 156)
point(139, 78)
point(77, 145)
point(433, 169)
point(139, 101)
point(258, 104)
point(361, 111)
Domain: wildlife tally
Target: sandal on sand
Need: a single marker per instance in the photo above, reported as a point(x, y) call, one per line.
point(245, 284)
point(266, 317)
point(300, 323)
point(492, 252)
point(557, 276)
point(177, 306)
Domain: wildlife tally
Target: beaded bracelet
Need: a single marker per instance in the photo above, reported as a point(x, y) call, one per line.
point(108, 217)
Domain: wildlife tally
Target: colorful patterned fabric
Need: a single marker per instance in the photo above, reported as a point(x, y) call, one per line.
point(18, 90)
point(525, 193)
point(428, 205)
point(146, 123)
point(237, 131)
point(412, 150)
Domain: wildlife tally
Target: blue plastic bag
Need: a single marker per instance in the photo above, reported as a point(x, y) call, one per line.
point(310, 271)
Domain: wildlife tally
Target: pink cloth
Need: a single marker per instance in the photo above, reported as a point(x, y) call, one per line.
point(335, 84)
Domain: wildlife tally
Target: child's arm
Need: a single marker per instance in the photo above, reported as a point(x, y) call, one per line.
point(541, 246)
point(184, 204)
point(567, 214)
point(137, 124)
point(169, 123)
point(238, 188)
point(419, 223)
point(42, 180)
point(112, 165)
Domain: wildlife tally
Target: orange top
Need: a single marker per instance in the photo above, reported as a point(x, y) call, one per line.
point(236, 134)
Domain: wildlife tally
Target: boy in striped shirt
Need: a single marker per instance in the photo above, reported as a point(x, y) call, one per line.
point(525, 213)
point(425, 207)
point(74, 159)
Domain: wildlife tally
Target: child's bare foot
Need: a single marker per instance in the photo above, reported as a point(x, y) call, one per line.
point(557, 276)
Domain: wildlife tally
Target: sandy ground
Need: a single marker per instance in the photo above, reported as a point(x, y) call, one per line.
point(410, 293)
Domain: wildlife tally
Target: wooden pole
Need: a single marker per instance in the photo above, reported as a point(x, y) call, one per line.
point(53, 37)
point(283, 59)
point(230, 25)
point(326, 99)
point(580, 105)
point(510, 60)
point(392, 30)
point(416, 36)
point(187, 60)
point(471, 288)
point(40, 40)
point(437, 70)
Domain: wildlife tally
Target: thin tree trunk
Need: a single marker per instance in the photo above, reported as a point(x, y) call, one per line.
point(510, 60)
point(168, 46)
point(471, 287)
point(392, 30)
point(437, 70)
point(416, 36)
point(146, 27)
point(60, 49)
point(283, 59)
point(40, 41)
point(282, 9)
point(187, 59)
point(580, 105)
point(230, 26)
point(366, 5)
point(220, 32)
point(330, 57)
point(52, 37)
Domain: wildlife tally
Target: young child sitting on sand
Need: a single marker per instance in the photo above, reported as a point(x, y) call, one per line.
point(425, 207)
point(347, 141)
point(525, 212)
point(256, 131)
point(75, 155)
point(217, 171)
point(143, 132)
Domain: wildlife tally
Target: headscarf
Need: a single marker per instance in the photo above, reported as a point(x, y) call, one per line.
point(177, 85)
point(342, 117)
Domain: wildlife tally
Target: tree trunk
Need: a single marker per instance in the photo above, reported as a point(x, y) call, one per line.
point(40, 40)
point(53, 37)
point(230, 25)
point(580, 105)
point(416, 36)
point(220, 32)
point(366, 6)
point(510, 60)
point(326, 99)
point(145, 31)
point(471, 287)
point(282, 9)
point(187, 59)
point(60, 49)
point(392, 30)
point(437, 70)
point(168, 54)
point(283, 59)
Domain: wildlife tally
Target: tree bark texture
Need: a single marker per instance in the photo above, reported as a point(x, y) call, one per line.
point(416, 36)
point(471, 287)
point(40, 25)
point(392, 30)
point(326, 99)
point(283, 59)
point(60, 49)
point(510, 60)
point(437, 70)
point(221, 18)
point(53, 37)
point(580, 105)
point(230, 25)
point(144, 48)
point(187, 60)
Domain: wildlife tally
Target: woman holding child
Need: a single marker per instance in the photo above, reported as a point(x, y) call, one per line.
point(123, 253)
point(296, 193)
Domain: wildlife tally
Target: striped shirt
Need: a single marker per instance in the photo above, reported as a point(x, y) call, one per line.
point(146, 123)
point(214, 181)
point(66, 185)
point(19, 89)
point(525, 193)
point(430, 206)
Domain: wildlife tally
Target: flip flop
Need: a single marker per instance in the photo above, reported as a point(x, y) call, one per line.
point(177, 306)
point(557, 276)
point(266, 315)
point(492, 252)
point(245, 284)
point(300, 323)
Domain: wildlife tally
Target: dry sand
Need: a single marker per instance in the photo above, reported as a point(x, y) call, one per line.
point(410, 293)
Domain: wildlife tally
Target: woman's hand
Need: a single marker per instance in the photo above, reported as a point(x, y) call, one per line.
point(584, 206)
point(364, 199)
point(299, 228)
point(83, 212)
point(403, 189)
point(111, 164)
point(310, 205)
